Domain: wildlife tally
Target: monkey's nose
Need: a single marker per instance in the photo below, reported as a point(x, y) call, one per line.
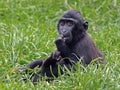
point(64, 31)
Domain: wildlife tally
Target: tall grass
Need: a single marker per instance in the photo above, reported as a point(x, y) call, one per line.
point(28, 30)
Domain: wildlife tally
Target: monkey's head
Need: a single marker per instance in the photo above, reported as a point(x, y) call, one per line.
point(71, 24)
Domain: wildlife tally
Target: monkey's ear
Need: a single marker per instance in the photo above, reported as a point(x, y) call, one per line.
point(85, 24)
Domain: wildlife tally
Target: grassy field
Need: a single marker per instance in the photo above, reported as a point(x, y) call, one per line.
point(28, 30)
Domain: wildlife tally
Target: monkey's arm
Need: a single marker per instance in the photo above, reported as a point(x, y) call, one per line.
point(62, 47)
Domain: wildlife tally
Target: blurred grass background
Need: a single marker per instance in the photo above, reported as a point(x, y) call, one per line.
point(28, 30)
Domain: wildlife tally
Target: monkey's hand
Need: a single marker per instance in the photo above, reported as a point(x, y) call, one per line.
point(52, 59)
point(60, 43)
point(56, 55)
point(62, 47)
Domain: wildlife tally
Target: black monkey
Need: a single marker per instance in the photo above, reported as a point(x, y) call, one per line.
point(73, 45)
point(74, 40)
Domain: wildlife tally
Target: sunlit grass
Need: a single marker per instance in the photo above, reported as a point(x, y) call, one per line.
point(28, 30)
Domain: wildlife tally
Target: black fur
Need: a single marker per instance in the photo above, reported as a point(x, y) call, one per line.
point(79, 47)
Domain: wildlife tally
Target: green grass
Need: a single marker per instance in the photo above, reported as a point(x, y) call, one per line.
point(28, 30)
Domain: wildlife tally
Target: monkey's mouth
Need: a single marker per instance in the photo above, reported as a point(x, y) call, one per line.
point(67, 39)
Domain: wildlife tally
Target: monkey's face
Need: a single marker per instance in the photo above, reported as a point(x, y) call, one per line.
point(65, 28)
point(70, 26)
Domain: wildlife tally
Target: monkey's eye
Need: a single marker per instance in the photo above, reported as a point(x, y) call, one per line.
point(70, 23)
point(62, 23)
